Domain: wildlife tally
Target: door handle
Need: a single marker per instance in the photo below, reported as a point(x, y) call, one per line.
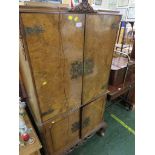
point(75, 126)
point(86, 122)
point(78, 70)
point(88, 66)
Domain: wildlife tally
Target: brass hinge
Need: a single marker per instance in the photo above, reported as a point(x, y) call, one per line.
point(76, 69)
point(37, 29)
point(47, 112)
point(76, 125)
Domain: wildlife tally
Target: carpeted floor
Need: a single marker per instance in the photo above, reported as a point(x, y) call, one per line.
point(118, 140)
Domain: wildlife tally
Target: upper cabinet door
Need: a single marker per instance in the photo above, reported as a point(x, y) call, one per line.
point(100, 36)
point(55, 46)
point(72, 40)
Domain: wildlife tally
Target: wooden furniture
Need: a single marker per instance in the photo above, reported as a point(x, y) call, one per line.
point(65, 60)
point(131, 96)
point(122, 80)
point(118, 71)
point(30, 149)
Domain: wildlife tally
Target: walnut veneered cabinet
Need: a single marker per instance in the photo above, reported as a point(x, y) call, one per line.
point(65, 60)
point(54, 49)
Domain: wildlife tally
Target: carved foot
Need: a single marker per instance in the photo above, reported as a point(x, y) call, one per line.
point(101, 132)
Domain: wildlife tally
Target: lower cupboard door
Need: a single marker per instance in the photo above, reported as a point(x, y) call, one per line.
point(62, 134)
point(92, 116)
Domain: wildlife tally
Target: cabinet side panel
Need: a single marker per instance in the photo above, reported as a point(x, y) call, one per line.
point(28, 83)
point(100, 38)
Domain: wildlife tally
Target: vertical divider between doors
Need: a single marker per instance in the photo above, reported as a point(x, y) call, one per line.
point(81, 109)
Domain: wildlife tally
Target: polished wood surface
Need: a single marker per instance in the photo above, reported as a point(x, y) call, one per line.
point(52, 51)
point(26, 78)
point(72, 46)
point(36, 153)
point(116, 91)
point(92, 115)
point(62, 133)
point(22, 92)
point(117, 76)
point(131, 96)
point(118, 71)
point(99, 43)
point(130, 77)
point(68, 58)
point(39, 46)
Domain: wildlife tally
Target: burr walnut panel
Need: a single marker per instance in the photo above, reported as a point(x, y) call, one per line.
point(52, 48)
point(100, 35)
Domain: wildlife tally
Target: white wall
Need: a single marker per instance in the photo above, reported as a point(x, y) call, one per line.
point(108, 4)
point(113, 5)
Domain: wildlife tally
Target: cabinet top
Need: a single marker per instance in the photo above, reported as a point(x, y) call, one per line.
point(35, 7)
